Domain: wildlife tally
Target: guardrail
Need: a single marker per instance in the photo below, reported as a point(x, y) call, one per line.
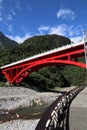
point(56, 117)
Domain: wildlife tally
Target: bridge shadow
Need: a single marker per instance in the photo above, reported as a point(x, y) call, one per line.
point(39, 89)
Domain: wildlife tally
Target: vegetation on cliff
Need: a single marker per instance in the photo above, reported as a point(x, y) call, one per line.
point(48, 77)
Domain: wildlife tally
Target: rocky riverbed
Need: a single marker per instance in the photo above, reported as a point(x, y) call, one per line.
point(14, 98)
point(18, 97)
point(19, 125)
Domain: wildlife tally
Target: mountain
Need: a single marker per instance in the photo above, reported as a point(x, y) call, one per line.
point(42, 43)
point(32, 46)
point(47, 77)
point(6, 42)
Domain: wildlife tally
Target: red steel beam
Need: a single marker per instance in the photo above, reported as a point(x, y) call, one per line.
point(16, 73)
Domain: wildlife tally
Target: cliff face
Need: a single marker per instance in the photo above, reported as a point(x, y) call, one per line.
point(5, 41)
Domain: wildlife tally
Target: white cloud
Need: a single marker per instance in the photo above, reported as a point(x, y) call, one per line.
point(66, 13)
point(76, 30)
point(72, 32)
point(18, 38)
point(9, 17)
point(43, 28)
point(1, 19)
point(60, 29)
point(10, 28)
point(29, 8)
point(1, 5)
point(18, 5)
point(1, 1)
point(13, 12)
point(76, 39)
point(4, 16)
point(0, 14)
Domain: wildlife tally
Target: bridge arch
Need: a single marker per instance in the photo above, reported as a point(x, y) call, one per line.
point(36, 66)
point(66, 55)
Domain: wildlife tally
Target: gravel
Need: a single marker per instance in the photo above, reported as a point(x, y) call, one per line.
point(19, 125)
point(18, 97)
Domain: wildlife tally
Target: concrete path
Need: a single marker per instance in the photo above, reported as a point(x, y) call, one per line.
point(78, 112)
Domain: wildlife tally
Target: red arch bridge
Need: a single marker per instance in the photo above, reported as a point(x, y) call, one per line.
point(65, 55)
point(56, 117)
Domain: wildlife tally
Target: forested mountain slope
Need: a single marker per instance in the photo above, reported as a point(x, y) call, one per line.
point(48, 77)
point(5, 42)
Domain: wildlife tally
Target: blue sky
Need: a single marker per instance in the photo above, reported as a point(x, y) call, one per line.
point(21, 19)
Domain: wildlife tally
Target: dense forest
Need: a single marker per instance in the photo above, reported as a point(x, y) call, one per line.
point(6, 42)
point(47, 77)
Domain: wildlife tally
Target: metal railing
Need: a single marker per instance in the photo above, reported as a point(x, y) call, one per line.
point(56, 117)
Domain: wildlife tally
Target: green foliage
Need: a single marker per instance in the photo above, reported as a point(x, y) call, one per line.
point(2, 78)
point(48, 77)
point(75, 75)
point(5, 42)
point(30, 47)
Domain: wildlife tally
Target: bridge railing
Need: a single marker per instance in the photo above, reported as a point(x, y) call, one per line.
point(44, 53)
point(56, 117)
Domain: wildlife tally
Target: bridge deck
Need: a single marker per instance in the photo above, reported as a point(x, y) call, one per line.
point(45, 53)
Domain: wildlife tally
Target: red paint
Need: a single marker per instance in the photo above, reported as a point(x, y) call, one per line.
point(16, 73)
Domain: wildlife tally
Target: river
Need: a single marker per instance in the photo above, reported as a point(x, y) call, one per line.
point(32, 112)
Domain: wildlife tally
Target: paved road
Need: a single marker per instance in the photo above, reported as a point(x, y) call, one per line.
point(78, 112)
